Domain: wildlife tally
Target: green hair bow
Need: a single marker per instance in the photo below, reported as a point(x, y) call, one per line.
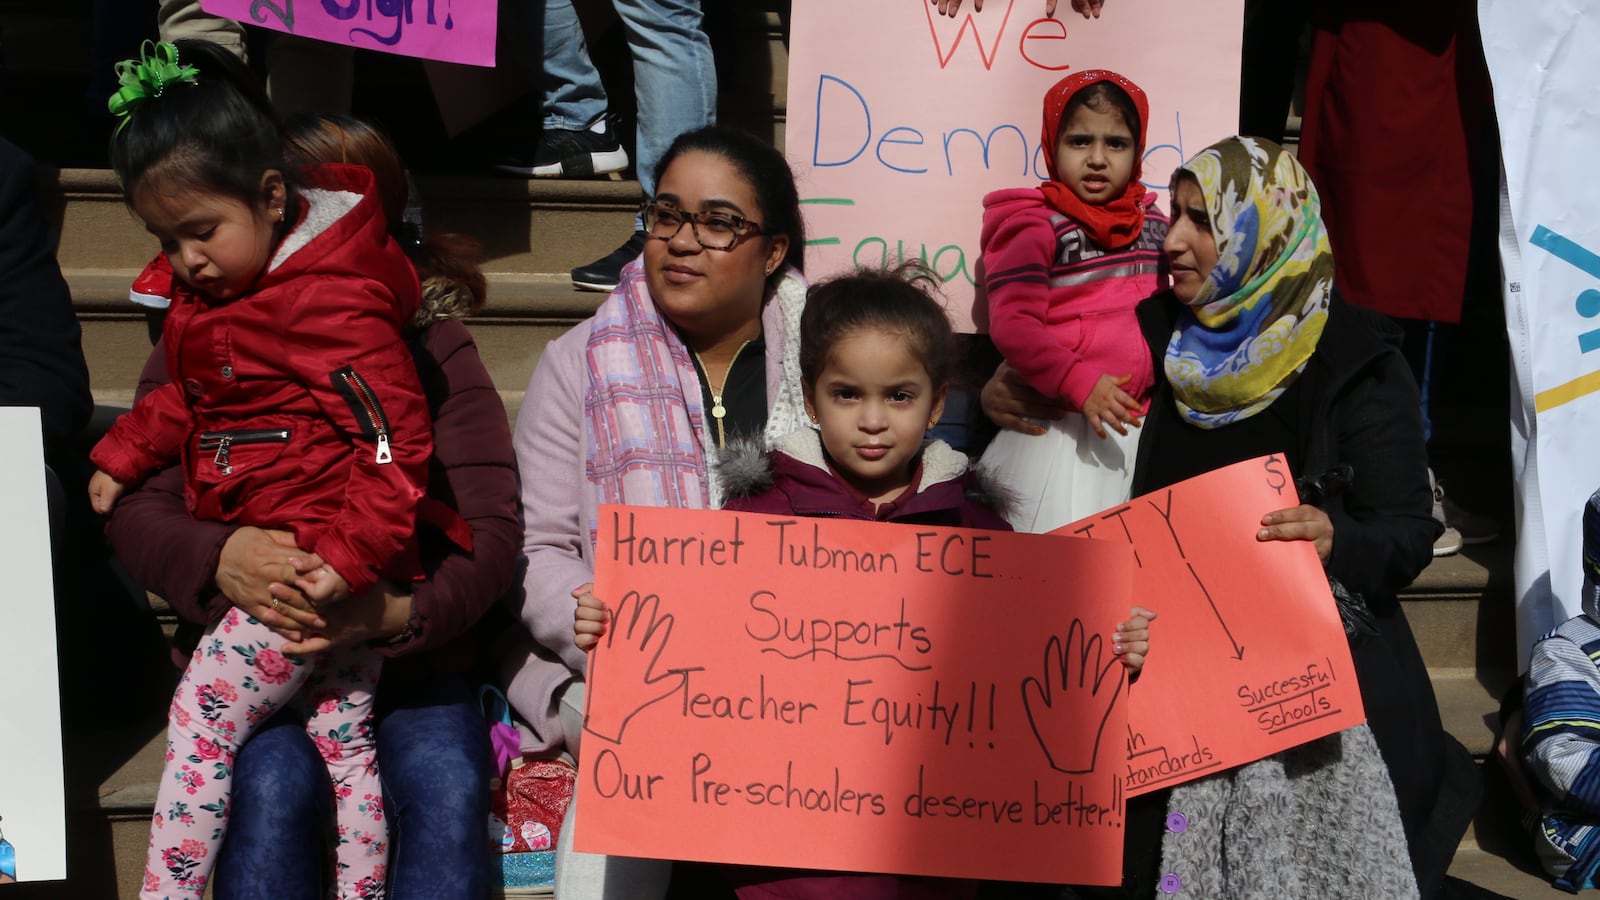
point(144, 79)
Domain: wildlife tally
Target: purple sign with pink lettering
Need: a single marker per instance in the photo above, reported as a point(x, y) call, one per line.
point(458, 31)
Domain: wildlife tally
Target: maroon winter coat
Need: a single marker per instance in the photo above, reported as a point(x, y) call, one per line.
point(297, 405)
point(472, 470)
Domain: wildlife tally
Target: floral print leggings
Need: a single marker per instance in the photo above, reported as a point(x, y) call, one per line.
point(238, 678)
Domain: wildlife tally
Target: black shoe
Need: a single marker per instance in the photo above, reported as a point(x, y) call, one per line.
point(604, 273)
point(580, 153)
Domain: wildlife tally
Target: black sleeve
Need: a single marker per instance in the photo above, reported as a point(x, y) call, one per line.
point(41, 355)
point(1383, 530)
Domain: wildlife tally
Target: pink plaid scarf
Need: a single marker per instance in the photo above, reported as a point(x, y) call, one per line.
point(645, 417)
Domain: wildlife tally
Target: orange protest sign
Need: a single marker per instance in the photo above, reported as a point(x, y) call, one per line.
point(1249, 656)
point(830, 694)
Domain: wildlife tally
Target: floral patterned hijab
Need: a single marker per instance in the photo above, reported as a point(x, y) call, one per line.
point(1256, 321)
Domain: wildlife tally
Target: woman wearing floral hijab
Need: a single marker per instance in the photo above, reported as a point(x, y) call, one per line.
point(1256, 354)
point(1261, 356)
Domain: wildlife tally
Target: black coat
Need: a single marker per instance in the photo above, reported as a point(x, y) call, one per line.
point(41, 357)
point(1356, 404)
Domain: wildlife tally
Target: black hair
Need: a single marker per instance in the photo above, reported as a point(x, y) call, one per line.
point(893, 301)
point(1104, 96)
point(768, 174)
point(217, 133)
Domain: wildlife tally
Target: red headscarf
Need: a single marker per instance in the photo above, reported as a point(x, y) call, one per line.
point(1118, 223)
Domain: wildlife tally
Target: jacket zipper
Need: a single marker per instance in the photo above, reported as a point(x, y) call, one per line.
point(364, 403)
point(221, 441)
point(718, 411)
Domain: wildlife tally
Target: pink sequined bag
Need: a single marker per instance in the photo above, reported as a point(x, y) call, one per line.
point(528, 798)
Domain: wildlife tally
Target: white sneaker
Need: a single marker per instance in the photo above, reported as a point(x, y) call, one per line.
point(1450, 542)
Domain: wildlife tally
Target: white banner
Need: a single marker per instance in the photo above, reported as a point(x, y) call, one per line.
point(32, 800)
point(1547, 92)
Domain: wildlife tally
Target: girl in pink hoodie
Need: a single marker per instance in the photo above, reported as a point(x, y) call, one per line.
point(1064, 265)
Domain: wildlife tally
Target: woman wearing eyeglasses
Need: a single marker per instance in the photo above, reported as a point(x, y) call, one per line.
point(698, 345)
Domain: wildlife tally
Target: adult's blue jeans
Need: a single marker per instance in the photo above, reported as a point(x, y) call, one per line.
point(674, 76)
point(573, 94)
point(433, 756)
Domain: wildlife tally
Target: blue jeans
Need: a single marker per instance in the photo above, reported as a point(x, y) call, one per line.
point(573, 94)
point(433, 756)
point(674, 77)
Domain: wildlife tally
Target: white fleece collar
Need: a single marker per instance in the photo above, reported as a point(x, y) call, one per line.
point(323, 208)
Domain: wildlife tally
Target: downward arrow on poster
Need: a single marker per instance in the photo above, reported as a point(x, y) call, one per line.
point(1238, 650)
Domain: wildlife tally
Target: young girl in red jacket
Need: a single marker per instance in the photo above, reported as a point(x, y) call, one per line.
point(876, 355)
point(294, 404)
point(1064, 264)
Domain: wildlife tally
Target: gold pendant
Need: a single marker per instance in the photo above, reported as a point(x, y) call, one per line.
point(718, 411)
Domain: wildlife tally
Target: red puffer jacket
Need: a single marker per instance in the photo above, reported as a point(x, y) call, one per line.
point(297, 405)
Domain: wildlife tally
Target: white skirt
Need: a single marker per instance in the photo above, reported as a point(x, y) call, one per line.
point(1066, 474)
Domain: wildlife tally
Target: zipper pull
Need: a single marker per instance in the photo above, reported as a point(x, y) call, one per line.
point(384, 456)
point(221, 459)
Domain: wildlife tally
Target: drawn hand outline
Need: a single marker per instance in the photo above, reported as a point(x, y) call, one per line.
point(1068, 745)
point(637, 637)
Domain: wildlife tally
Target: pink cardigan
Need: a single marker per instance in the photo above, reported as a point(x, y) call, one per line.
point(1056, 299)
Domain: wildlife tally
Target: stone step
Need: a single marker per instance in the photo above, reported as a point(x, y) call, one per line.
point(1517, 877)
point(527, 226)
point(1461, 609)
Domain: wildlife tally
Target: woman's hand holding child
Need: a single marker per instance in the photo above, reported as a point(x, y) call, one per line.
point(590, 618)
point(1132, 640)
point(1010, 402)
point(252, 560)
point(1109, 405)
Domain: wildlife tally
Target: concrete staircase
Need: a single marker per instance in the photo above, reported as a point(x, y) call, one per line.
point(533, 232)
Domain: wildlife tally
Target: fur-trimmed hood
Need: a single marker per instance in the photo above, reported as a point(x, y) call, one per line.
point(797, 469)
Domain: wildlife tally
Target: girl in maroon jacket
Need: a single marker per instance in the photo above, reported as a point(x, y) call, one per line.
point(294, 404)
point(876, 354)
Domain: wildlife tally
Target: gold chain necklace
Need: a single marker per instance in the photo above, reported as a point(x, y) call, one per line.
point(718, 411)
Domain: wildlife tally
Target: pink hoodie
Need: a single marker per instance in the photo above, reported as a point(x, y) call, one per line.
point(1060, 306)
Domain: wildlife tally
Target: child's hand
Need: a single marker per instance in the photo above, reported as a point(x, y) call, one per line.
point(1132, 640)
point(103, 492)
point(590, 618)
point(322, 585)
point(1109, 404)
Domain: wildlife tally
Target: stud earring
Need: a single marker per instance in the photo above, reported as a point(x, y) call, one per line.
point(279, 213)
